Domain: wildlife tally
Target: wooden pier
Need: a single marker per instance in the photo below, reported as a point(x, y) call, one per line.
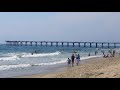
point(56, 43)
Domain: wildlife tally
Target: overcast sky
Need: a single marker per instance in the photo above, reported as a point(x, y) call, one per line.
point(60, 26)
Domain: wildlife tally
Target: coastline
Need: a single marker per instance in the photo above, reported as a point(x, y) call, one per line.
point(90, 68)
point(39, 69)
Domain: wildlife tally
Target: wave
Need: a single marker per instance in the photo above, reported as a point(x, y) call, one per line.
point(17, 56)
point(90, 57)
point(6, 67)
point(42, 54)
point(64, 60)
point(117, 50)
point(50, 63)
point(9, 58)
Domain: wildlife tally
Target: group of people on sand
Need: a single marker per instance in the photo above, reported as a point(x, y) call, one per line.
point(111, 54)
point(74, 58)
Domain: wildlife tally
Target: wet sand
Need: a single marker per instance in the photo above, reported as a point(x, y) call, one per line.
point(91, 68)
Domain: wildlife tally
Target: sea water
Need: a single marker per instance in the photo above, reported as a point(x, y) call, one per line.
point(18, 60)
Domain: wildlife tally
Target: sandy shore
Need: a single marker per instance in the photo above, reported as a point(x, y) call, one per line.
point(93, 68)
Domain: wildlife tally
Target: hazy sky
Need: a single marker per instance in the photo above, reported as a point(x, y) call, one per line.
point(60, 26)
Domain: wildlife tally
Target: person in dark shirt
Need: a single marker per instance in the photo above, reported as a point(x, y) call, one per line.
point(73, 59)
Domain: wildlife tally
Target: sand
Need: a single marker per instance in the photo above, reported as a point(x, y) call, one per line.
point(92, 68)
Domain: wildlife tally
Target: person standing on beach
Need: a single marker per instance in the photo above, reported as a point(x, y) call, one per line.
point(77, 59)
point(72, 58)
point(113, 53)
point(69, 62)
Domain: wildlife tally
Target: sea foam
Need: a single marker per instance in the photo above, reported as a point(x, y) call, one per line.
point(9, 58)
point(42, 54)
point(17, 56)
point(63, 60)
point(6, 67)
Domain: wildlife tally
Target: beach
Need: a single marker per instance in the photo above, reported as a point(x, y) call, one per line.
point(51, 62)
point(41, 45)
point(91, 68)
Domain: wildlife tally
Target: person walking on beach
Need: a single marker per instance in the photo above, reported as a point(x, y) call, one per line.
point(77, 59)
point(113, 53)
point(72, 58)
point(69, 62)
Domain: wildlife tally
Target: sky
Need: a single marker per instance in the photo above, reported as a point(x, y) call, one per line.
point(60, 26)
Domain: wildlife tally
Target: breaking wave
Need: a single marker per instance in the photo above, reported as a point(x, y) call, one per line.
point(42, 54)
point(17, 56)
point(64, 60)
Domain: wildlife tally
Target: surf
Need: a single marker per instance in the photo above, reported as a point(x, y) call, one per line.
point(42, 54)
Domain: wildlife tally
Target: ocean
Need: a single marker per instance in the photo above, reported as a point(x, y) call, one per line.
point(19, 60)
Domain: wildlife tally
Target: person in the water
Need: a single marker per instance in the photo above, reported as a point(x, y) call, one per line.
point(36, 52)
point(32, 53)
point(96, 52)
point(89, 54)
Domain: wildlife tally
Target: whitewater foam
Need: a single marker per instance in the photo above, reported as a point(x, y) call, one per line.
point(64, 60)
point(6, 67)
point(51, 63)
point(42, 54)
point(17, 56)
point(117, 50)
point(90, 57)
point(9, 58)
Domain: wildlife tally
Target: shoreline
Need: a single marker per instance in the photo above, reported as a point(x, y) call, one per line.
point(34, 70)
point(60, 69)
point(91, 68)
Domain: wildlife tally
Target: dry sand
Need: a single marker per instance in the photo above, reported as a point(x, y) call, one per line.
point(94, 68)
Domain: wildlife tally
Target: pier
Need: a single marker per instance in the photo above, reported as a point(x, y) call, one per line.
point(58, 43)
